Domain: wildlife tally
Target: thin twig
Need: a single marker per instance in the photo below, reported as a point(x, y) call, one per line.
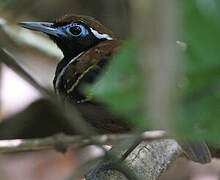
point(7, 59)
point(24, 37)
point(18, 145)
point(73, 117)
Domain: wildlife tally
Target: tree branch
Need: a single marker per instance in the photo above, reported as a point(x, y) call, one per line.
point(147, 161)
point(18, 145)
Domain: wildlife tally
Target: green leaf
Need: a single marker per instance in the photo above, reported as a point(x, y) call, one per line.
point(120, 87)
point(199, 113)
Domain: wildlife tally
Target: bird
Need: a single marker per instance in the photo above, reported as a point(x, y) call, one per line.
point(88, 47)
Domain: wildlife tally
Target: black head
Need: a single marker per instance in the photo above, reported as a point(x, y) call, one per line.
point(72, 33)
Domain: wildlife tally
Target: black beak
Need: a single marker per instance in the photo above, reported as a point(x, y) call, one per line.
point(45, 27)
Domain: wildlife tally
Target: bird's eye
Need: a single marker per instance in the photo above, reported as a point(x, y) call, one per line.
point(75, 30)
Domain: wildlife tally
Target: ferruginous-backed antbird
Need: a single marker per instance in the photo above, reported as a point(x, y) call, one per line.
point(88, 46)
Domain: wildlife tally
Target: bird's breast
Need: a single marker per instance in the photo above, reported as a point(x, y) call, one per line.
point(84, 68)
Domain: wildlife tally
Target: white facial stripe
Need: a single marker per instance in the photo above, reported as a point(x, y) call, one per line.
point(101, 36)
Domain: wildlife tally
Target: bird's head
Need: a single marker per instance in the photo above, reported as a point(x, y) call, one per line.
point(72, 33)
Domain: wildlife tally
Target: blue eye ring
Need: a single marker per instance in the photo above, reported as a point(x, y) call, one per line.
point(75, 30)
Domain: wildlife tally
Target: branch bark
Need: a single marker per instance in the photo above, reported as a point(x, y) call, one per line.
point(148, 160)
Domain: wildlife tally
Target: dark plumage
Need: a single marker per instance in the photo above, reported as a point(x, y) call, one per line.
point(87, 46)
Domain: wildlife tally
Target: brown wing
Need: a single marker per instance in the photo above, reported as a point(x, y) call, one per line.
point(87, 66)
point(101, 118)
point(197, 151)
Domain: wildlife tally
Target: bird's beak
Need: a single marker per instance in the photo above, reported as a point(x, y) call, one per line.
point(45, 27)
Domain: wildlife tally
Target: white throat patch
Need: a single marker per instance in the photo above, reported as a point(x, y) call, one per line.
point(101, 36)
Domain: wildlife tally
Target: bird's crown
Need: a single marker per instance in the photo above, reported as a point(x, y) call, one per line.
point(90, 21)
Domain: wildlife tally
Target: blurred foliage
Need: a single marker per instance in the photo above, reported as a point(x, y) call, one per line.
point(201, 100)
point(121, 85)
point(199, 110)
